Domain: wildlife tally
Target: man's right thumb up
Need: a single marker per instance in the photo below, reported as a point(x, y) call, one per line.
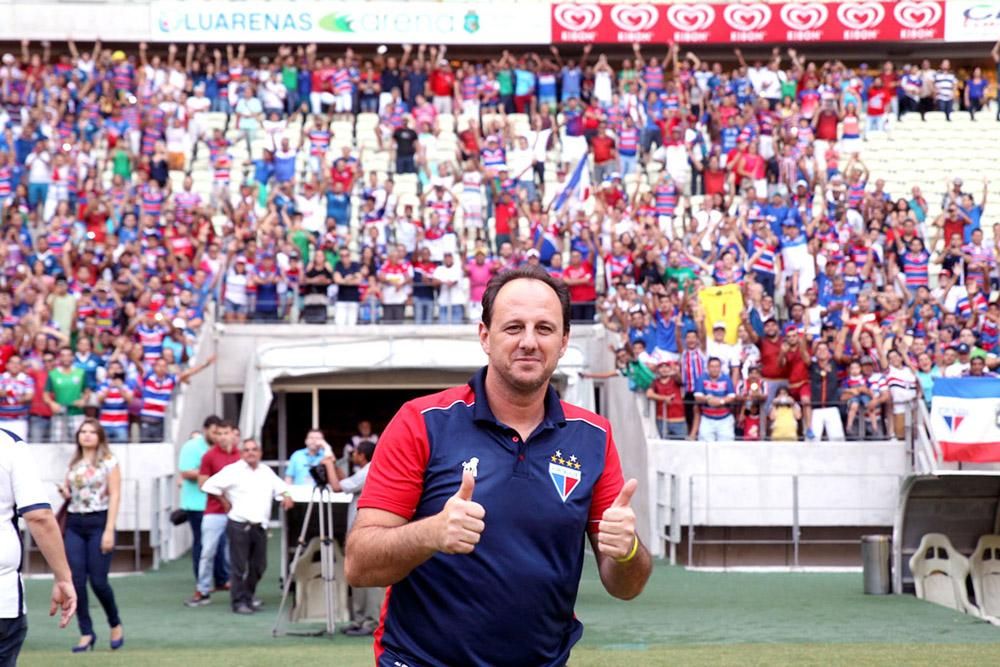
point(468, 485)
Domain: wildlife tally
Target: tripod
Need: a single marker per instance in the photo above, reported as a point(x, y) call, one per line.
point(326, 559)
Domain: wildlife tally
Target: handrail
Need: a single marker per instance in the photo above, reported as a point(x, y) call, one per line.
point(927, 451)
point(161, 506)
point(668, 512)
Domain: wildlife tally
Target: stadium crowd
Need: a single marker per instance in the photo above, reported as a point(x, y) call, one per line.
point(136, 188)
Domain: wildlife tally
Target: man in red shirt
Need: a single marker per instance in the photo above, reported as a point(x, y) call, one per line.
point(579, 276)
point(879, 99)
point(442, 85)
point(666, 392)
point(605, 154)
point(213, 522)
point(772, 365)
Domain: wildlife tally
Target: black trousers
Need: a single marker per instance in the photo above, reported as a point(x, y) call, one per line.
point(12, 634)
point(247, 560)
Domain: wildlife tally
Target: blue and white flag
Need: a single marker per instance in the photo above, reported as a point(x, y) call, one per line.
point(965, 418)
point(577, 187)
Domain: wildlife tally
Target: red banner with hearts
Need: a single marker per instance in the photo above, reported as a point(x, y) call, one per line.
point(748, 22)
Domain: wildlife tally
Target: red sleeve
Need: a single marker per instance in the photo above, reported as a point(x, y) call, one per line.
point(608, 486)
point(396, 477)
point(205, 467)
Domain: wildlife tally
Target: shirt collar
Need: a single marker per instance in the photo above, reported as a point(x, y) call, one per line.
point(481, 410)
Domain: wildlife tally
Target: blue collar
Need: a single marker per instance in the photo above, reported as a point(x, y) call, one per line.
point(481, 412)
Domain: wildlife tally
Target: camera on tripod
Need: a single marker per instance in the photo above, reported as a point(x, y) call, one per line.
point(319, 475)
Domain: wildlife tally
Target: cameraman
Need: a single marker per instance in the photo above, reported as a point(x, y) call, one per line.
point(365, 602)
point(299, 463)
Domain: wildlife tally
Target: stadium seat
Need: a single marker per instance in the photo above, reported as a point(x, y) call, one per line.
point(939, 573)
point(985, 569)
point(307, 574)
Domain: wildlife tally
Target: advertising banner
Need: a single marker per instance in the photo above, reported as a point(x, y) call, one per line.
point(349, 22)
point(965, 418)
point(972, 20)
point(748, 22)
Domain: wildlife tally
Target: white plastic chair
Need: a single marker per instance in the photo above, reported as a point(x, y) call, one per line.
point(985, 569)
point(939, 573)
point(310, 604)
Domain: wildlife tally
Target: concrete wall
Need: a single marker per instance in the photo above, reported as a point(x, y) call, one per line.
point(236, 344)
point(751, 484)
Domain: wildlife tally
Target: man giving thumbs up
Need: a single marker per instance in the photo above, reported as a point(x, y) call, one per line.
point(461, 520)
point(478, 498)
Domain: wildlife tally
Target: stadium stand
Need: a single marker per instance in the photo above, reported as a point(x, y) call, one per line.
point(177, 185)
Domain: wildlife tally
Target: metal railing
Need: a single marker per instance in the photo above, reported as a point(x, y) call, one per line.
point(858, 432)
point(668, 512)
point(161, 504)
point(128, 505)
point(926, 452)
point(796, 541)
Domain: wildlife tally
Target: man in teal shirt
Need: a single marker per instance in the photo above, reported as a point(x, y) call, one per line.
point(299, 463)
point(193, 498)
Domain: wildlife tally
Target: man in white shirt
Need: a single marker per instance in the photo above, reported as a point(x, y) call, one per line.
point(39, 164)
point(21, 490)
point(448, 279)
point(716, 346)
point(247, 488)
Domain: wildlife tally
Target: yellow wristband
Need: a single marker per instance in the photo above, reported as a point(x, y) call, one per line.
point(631, 554)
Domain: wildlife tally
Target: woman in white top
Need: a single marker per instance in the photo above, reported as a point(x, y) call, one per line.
point(902, 383)
point(93, 490)
point(236, 299)
point(604, 78)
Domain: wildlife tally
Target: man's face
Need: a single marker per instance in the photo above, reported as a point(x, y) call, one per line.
point(771, 329)
point(314, 441)
point(250, 452)
point(223, 436)
point(525, 339)
point(65, 358)
point(714, 368)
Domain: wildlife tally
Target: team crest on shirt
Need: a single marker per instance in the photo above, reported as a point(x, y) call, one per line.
point(565, 473)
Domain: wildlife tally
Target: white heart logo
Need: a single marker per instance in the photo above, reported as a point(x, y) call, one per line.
point(691, 18)
point(916, 14)
point(578, 17)
point(804, 17)
point(861, 15)
point(634, 18)
point(747, 18)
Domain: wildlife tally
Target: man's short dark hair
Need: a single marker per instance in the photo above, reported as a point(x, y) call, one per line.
point(210, 421)
point(227, 423)
point(366, 447)
point(528, 273)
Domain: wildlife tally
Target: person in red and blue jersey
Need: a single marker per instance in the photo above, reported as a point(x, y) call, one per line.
point(479, 487)
point(157, 387)
point(113, 398)
point(17, 390)
point(715, 394)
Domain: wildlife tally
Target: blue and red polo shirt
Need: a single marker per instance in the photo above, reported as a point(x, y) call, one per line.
point(510, 602)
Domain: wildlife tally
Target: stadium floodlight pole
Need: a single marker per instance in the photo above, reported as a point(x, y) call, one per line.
point(322, 495)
